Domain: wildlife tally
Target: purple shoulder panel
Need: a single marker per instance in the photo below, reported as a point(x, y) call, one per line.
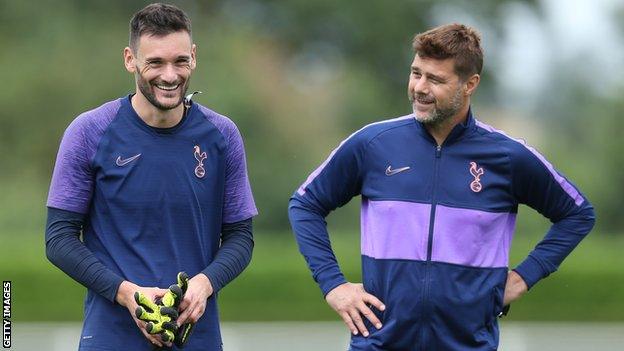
point(72, 180)
point(238, 199)
point(567, 187)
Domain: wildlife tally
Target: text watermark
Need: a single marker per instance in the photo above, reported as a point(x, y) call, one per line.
point(6, 314)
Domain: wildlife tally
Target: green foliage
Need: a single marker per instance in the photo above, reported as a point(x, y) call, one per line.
point(296, 76)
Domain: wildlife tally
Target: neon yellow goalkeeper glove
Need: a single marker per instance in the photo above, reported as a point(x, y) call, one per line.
point(183, 333)
point(161, 315)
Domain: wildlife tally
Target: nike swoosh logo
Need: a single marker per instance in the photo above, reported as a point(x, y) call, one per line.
point(122, 162)
point(391, 172)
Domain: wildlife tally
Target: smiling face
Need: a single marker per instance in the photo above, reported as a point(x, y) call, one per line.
point(436, 92)
point(162, 66)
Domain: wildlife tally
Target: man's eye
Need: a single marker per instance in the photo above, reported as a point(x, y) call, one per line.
point(154, 63)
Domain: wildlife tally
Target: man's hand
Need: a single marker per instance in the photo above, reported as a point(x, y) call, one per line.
point(193, 305)
point(160, 318)
point(514, 288)
point(125, 297)
point(351, 301)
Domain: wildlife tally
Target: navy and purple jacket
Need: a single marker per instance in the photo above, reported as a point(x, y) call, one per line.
point(436, 227)
point(155, 202)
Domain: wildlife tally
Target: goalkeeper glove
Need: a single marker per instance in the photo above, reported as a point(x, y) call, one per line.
point(161, 315)
point(160, 319)
point(183, 333)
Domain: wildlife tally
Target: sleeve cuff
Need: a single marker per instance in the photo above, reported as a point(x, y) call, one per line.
point(531, 271)
point(330, 280)
point(115, 283)
point(214, 277)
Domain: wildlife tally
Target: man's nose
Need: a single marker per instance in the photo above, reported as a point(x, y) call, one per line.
point(169, 73)
point(421, 85)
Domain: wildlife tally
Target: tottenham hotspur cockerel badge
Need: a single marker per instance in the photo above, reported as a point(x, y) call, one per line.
point(200, 172)
point(475, 185)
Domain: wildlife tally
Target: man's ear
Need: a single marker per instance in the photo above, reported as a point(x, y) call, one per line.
point(472, 83)
point(129, 60)
point(193, 56)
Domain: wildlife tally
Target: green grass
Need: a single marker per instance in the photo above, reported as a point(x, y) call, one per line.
point(277, 285)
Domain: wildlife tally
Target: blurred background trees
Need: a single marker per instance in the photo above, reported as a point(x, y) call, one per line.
point(299, 76)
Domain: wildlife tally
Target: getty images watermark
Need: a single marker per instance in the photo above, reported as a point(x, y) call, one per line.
point(6, 314)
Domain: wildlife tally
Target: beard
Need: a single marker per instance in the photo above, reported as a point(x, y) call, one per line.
point(440, 112)
point(147, 89)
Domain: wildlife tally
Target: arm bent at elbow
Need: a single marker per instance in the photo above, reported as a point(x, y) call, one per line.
point(65, 250)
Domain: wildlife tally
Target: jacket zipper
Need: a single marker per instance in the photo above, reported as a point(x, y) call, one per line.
point(425, 304)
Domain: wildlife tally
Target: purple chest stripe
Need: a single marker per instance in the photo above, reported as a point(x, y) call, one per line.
point(471, 237)
point(399, 230)
point(395, 229)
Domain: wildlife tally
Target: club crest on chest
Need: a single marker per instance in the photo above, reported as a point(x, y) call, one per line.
point(200, 156)
point(476, 172)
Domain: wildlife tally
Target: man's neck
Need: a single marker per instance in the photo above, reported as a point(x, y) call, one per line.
point(440, 131)
point(155, 117)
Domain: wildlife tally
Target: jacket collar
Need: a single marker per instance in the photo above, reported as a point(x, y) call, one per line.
point(458, 131)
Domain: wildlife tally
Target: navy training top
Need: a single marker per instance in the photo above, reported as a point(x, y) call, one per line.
point(436, 227)
point(155, 200)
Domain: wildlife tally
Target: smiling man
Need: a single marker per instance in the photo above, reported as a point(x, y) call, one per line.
point(440, 192)
point(156, 184)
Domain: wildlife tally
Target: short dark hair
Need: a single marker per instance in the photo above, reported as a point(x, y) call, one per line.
point(455, 41)
point(158, 20)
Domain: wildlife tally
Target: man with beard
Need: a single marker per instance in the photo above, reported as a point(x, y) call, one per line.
point(440, 192)
point(156, 184)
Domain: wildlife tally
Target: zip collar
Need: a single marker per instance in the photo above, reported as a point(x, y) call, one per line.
point(458, 131)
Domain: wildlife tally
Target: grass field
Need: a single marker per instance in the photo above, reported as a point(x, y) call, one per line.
point(277, 286)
